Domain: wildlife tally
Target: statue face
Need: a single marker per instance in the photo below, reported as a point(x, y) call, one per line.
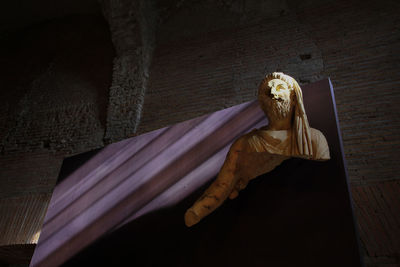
point(277, 99)
point(279, 90)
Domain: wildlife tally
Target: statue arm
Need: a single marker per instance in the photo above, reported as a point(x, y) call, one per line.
point(320, 145)
point(234, 175)
point(220, 189)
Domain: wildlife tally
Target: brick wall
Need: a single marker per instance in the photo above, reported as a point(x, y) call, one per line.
point(356, 44)
point(210, 55)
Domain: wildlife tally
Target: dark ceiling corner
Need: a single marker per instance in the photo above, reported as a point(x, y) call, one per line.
point(16, 15)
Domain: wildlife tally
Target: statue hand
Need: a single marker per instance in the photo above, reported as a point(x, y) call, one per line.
point(240, 185)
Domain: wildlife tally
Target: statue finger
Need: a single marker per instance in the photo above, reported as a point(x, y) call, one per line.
point(241, 184)
point(233, 194)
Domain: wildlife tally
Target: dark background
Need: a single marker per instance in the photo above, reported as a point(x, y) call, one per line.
point(57, 68)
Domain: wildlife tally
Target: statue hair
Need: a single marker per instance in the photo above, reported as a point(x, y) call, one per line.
point(300, 130)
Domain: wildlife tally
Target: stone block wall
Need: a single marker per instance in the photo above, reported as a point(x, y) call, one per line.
point(54, 80)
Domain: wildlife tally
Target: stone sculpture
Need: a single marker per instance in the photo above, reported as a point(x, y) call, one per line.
point(287, 135)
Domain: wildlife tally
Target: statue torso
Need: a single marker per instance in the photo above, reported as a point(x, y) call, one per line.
point(263, 151)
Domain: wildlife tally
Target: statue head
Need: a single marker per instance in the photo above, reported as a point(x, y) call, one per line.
point(281, 99)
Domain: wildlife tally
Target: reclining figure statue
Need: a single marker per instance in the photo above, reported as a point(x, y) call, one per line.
point(287, 135)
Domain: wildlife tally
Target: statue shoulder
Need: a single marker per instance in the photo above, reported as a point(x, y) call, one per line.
point(244, 143)
point(320, 145)
point(240, 143)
